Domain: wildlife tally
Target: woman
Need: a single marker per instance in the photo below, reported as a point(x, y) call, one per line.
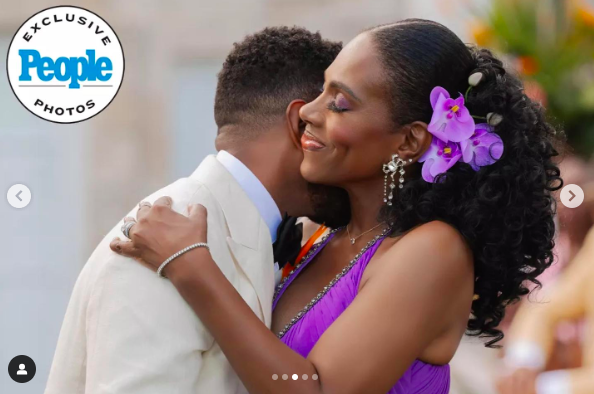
point(389, 295)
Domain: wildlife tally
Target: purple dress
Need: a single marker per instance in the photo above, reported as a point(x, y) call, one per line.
point(303, 331)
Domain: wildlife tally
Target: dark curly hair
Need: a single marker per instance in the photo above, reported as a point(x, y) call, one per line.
point(504, 211)
point(269, 69)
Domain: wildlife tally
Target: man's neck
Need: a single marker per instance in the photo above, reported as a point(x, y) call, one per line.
point(254, 189)
point(263, 158)
point(262, 169)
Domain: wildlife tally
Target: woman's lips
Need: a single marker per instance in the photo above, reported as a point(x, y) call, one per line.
point(310, 142)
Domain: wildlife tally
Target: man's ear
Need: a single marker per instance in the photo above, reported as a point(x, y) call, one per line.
point(295, 126)
point(417, 140)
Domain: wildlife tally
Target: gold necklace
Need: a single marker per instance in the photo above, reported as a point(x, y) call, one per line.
point(353, 239)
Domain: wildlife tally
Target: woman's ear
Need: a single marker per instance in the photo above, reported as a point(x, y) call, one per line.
point(417, 140)
point(295, 126)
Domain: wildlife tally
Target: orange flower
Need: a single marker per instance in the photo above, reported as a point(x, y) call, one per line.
point(482, 34)
point(535, 92)
point(528, 65)
point(585, 14)
point(304, 249)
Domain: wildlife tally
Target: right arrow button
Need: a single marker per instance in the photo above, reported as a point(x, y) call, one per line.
point(572, 196)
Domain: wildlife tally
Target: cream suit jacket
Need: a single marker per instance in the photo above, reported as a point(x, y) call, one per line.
point(127, 331)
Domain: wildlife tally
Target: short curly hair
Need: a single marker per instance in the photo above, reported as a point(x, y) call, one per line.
point(504, 211)
point(269, 69)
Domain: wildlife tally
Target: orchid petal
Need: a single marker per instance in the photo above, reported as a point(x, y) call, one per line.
point(489, 150)
point(446, 124)
point(426, 171)
point(437, 93)
point(489, 139)
point(441, 166)
point(457, 130)
point(436, 161)
point(482, 148)
point(431, 151)
point(467, 151)
point(482, 157)
point(483, 127)
point(459, 101)
point(438, 126)
point(496, 150)
point(464, 116)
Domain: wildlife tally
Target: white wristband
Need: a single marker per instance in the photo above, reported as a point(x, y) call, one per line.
point(554, 382)
point(525, 354)
point(176, 255)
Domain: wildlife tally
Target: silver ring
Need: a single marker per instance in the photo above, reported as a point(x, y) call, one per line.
point(126, 228)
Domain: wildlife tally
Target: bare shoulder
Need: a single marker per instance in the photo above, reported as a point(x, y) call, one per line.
point(432, 249)
point(437, 234)
point(431, 269)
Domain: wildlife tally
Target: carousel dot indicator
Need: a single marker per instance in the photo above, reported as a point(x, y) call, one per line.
point(275, 377)
point(295, 376)
point(285, 376)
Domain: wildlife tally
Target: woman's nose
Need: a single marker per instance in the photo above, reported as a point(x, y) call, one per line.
point(310, 113)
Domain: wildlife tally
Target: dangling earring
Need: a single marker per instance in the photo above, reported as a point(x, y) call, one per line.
point(395, 165)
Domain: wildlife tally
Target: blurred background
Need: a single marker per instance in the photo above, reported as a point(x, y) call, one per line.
point(84, 177)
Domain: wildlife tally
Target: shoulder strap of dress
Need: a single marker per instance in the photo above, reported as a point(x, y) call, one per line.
point(364, 261)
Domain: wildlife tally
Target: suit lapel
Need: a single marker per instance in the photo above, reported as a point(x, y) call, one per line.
point(249, 238)
point(242, 215)
point(258, 268)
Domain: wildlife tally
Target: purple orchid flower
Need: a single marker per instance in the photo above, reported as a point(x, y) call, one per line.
point(483, 148)
point(451, 120)
point(439, 158)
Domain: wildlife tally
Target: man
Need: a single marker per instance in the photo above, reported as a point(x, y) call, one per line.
point(126, 330)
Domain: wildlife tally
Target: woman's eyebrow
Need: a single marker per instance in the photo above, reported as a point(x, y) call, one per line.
point(342, 86)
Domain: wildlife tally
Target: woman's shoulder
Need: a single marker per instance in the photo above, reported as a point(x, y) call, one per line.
point(434, 245)
point(436, 235)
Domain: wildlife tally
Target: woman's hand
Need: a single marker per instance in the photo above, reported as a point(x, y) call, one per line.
point(160, 232)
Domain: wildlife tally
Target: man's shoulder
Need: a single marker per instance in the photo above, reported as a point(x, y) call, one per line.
point(184, 190)
point(106, 266)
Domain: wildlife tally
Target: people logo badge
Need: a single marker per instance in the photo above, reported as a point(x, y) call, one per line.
point(65, 64)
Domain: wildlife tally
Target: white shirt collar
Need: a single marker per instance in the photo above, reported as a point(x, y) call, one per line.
point(255, 190)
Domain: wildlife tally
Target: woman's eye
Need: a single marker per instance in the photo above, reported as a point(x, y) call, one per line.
point(334, 108)
point(340, 104)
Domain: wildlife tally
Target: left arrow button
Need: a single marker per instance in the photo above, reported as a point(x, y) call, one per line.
point(18, 196)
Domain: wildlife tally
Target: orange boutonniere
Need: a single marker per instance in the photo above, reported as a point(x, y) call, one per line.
point(304, 249)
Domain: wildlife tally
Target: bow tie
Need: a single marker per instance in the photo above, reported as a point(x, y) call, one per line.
point(288, 241)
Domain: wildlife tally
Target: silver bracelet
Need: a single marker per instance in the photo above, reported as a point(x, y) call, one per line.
point(176, 255)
